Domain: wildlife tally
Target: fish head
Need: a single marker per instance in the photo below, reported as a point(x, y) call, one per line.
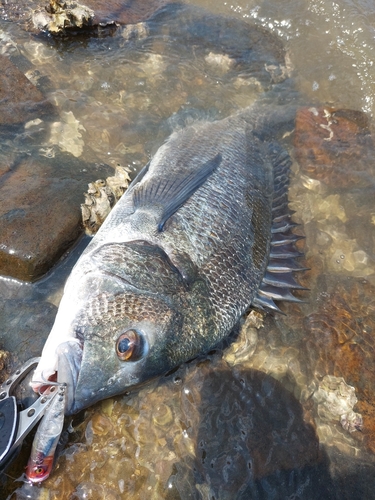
point(39, 470)
point(108, 336)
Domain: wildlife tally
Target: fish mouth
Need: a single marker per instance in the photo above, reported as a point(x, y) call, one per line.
point(69, 355)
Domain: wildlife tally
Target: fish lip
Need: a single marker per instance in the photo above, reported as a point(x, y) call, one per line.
point(69, 355)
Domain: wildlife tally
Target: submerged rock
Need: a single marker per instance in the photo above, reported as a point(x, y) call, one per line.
point(24, 327)
point(39, 212)
point(66, 134)
point(335, 146)
point(336, 399)
point(340, 340)
point(20, 100)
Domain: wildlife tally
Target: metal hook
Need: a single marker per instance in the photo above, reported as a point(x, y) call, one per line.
point(15, 425)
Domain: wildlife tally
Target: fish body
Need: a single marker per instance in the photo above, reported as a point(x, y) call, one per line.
point(46, 438)
point(202, 233)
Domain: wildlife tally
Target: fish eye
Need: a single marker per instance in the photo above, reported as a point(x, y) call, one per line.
point(39, 471)
point(129, 346)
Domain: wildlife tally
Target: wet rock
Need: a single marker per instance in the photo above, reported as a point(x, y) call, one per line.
point(340, 340)
point(61, 16)
point(24, 327)
point(335, 146)
point(101, 197)
point(20, 101)
point(66, 134)
point(40, 212)
point(336, 399)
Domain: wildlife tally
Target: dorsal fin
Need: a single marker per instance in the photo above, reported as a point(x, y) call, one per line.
point(171, 193)
point(278, 280)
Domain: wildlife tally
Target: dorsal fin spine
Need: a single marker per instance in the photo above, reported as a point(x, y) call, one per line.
point(278, 281)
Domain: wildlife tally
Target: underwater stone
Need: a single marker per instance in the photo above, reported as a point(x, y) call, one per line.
point(334, 146)
point(40, 212)
point(222, 63)
point(335, 399)
point(24, 327)
point(66, 134)
point(20, 101)
point(340, 343)
point(101, 425)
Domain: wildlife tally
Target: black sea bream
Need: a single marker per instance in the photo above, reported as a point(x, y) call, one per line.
point(202, 233)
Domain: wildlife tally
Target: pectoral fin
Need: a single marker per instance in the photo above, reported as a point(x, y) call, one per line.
point(172, 193)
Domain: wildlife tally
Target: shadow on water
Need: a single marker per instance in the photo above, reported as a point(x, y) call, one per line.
point(251, 442)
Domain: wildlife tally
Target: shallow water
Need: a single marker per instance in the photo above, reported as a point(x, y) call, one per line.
point(287, 409)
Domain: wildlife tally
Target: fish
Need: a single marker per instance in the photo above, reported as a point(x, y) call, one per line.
point(202, 233)
point(46, 438)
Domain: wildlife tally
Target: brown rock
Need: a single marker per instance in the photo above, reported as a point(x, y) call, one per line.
point(40, 212)
point(20, 101)
point(341, 342)
point(334, 146)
